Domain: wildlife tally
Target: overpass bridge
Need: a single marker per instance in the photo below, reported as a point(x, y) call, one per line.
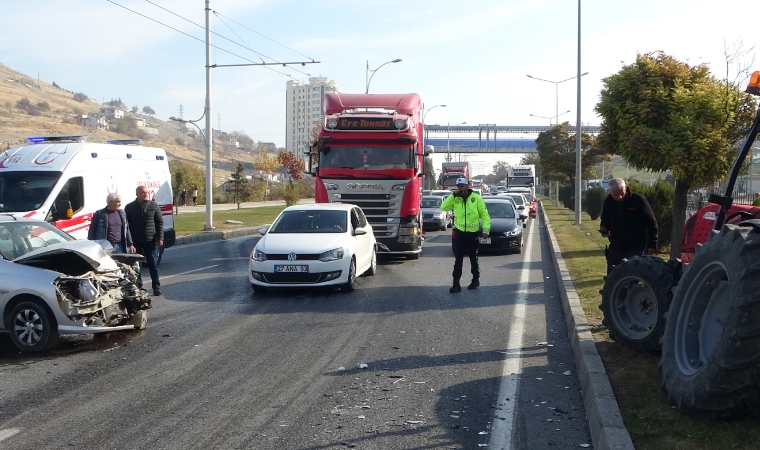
point(487, 140)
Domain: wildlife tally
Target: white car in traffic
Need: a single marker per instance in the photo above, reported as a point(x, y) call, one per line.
point(325, 244)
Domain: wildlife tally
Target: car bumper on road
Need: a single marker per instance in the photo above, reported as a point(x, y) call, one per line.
point(318, 273)
point(502, 244)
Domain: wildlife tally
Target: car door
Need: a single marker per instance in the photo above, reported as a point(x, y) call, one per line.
point(362, 255)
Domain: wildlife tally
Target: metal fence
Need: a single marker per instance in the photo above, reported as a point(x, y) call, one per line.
point(697, 199)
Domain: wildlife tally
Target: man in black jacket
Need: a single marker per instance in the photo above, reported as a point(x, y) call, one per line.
point(628, 222)
point(147, 227)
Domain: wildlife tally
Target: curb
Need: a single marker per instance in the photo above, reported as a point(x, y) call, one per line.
point(608, 432)
point(213, 235)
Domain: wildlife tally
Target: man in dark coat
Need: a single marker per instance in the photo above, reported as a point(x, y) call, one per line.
point(147, 227)
point(110, 223)
point(628, 222)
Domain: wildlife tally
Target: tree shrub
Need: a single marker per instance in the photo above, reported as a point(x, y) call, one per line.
point(660, 197)
point(566, 197)
point(80, 97)
point(292, 193)
point(593, 200)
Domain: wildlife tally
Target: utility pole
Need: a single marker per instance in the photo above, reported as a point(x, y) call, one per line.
point(181, 110)
point(209, 131)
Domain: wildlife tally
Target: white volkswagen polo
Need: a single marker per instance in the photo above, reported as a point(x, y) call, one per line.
point(324, 244)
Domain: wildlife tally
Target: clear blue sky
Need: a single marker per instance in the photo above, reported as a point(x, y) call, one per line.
point(473, 56)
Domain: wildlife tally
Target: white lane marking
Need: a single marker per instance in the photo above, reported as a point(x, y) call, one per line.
point(8, 432)
point(502, 431)
point(190, 271)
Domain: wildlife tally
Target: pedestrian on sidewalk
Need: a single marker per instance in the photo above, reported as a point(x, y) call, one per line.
point(195, 196)
point(628, 222)
point(469, 211)
point(182, 196)
point(147, 227)
point(110, 223)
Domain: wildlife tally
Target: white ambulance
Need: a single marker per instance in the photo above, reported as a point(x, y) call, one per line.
point(65, 180)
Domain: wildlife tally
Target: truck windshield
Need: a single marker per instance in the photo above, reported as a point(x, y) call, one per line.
point(521, 181)
point(366, 158)
point(25, 190)
point(452, 179)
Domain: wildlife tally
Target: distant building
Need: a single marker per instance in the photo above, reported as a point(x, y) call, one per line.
point(112, 112)
point(93, 121)
point(304, 107)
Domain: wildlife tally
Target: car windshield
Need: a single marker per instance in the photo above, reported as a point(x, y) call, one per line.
point(311, 221)
point(432, 202)
point(518, 199)
point(500, 210)
point(18, 238)
point(366, 158)
point(24, 191)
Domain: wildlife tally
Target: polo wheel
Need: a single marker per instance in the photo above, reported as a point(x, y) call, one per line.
point(373, 265)
point(350, 285)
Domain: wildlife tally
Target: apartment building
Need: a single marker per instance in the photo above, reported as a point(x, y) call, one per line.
point(304, 108)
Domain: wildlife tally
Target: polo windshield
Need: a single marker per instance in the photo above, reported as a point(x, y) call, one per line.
point(22, 191)
point(311, 221)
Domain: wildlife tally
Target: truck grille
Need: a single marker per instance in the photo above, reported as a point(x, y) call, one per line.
point(376, 208)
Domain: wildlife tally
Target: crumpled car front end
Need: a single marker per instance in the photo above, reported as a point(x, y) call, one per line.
point(94, 291)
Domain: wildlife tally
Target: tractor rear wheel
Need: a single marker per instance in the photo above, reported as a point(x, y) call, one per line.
point(711, 347)
point(636, 294)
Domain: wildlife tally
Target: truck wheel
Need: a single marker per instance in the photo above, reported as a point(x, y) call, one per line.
point(711, 345)
point(636, 295)
point(33, 327)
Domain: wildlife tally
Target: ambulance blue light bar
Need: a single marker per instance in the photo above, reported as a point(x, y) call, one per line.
point(67, 138)
point(126, 142)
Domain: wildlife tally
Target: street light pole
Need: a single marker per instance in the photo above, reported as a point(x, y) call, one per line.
point(550, 118)
point(578, 148)
point(209, 131)
point(556, 90)
point(368, 78)
point(448, 138)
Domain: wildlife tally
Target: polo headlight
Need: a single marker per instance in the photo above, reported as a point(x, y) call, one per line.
point(332, 123)
point(258, 255)
point(332, 255)
point(512, 232)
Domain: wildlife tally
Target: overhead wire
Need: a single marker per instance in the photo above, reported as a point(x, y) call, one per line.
point(246, 46)
point(197, 39)
point(265, 37)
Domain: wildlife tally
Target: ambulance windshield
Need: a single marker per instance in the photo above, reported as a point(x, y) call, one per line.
point(24, 191)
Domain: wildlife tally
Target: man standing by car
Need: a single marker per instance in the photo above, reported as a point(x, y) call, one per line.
point(110, 223)
point(147, 227)
point(469, 210)
point(628, 222)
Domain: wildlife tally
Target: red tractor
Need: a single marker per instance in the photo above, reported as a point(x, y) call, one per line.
point(701, 311)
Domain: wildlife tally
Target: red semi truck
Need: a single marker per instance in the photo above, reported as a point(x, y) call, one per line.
point(369, 153)
point(452, 171)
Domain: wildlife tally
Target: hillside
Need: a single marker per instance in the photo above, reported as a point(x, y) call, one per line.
point(16, 124)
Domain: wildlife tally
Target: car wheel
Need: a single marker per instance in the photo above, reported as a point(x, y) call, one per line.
point(32, 327)
point(258, 289)
point(350, 285)
point(373, 265)
point(140, 320)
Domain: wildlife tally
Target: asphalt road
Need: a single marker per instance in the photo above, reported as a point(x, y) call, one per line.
point(220, 367)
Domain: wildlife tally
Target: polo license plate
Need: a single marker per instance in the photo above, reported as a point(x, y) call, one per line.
point(289, 268)
point(485, 241)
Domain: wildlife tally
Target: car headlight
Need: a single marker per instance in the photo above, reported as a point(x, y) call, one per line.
point(258, 255)
point(513, 232)
point(332, 255)
point(87, 291)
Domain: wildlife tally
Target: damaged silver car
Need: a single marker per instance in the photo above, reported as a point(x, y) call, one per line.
point(52, 284)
